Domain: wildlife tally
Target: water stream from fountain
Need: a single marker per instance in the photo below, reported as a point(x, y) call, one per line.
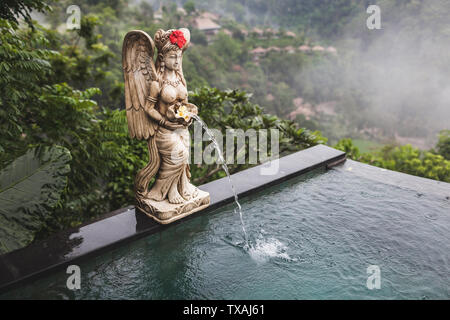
point(225, 168)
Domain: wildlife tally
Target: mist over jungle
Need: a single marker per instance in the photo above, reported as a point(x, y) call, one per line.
point(388, 85)
point(394, 79)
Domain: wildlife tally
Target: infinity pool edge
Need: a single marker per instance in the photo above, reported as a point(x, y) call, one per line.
point(127, 224)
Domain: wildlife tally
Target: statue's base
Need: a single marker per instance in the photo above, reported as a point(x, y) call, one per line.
point(165, 212)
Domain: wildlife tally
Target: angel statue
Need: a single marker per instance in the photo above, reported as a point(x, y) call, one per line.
point(158, 111)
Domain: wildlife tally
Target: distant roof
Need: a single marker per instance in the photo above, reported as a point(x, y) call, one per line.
point(244, 32)
point(258, 50)
point(332, 49)
point(318, 48)
point(257, 30)
point(304, 48)
point(289, 48)
point(206, 24)
point(290, 34)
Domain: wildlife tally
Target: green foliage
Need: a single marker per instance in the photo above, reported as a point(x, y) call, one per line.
point(104, 161)
point(405, 159)
point(86, 31)
point(305, 123)
point(30, 189)
point(198, 37)
point(189, 6)
point(127, 156)
point(24, 66)
point(232, 109)
point(11, 9)
point(229, 49)
point(347, 146)
point(443, 145)
point(37, 111)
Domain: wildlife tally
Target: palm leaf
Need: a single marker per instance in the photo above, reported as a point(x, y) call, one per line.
point(30, 187)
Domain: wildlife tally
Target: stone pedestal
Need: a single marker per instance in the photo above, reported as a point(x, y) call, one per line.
point(165, 212)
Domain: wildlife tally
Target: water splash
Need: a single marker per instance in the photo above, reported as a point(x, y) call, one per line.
point(265, 249)
point(225, 168)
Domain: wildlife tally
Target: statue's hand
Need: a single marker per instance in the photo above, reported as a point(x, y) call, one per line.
point(171, 112)
point(173, 125)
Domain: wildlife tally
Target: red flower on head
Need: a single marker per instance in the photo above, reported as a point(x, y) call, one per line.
point(177, 37)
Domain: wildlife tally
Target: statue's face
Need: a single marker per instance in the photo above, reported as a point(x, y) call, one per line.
point(172, 60)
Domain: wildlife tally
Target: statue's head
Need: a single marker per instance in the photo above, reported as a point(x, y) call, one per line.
point(171, 45)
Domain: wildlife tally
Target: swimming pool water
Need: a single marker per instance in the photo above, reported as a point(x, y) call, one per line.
point(312, 237)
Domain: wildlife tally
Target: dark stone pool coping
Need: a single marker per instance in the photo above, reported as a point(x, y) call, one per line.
point(127, 224)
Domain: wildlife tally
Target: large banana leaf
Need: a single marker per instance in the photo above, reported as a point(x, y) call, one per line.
point(30, 187)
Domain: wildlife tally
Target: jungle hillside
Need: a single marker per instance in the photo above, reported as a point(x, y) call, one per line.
point(311, 69)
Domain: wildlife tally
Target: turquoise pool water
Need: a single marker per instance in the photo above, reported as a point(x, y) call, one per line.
point(313, 237)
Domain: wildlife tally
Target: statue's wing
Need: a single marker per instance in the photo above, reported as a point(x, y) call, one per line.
point(138, 71)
